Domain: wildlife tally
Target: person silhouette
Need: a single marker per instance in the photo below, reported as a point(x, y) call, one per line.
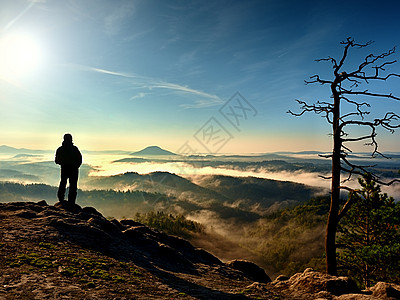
point(69, 158)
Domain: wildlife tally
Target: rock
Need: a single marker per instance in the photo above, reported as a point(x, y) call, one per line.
point(257, 286)
point(83, 234)
point(131, 223)
point(139, 238)
point(203, 256)
point(75, 208)
point(172, 261)
point(91, 211)
point(357, 297)
point(27, 214)
point(250, 269)
point(104, 225)
point(323, 295)
point(172, 255)
point(42, 203)
point(282, 278)
point(118, 224)
point(313, 282)
point(175, 241)
point(385, 290)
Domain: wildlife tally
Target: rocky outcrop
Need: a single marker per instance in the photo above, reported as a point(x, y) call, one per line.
point(317, 285)
point(126, 238)
point(123, 240)
point(170, 266)
point(383, 290)
point(252, 271)
point(314, 282)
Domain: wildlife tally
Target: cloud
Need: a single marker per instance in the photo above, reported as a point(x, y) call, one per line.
point(114, 21)
point(98, 70)
point(21, 14)
point(187, 170)
point(212, 100)
point(149, 83)
point(138, 96)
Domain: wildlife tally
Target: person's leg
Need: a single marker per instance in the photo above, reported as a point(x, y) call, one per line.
point(73, 186)
point(62, 186)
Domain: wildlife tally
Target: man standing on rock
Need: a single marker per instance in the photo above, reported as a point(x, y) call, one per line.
point(69, 158)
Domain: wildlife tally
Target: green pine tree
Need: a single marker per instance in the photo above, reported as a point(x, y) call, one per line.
point(369, 236)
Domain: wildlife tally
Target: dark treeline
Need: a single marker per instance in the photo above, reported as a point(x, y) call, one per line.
point(171, 224)
point(109, 202)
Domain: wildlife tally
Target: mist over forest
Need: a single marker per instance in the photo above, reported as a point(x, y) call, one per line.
point(248, 207)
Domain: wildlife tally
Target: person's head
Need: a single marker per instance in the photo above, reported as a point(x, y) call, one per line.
point(68, 138)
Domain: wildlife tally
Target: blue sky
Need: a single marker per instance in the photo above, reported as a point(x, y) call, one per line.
point(128, 74)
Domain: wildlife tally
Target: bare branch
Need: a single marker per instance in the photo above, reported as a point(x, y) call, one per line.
point(349, 202)
point(331, 59)
point(354, 166)
point(348, 44)
point(357, 139)
point(358, 106)
point(353, 44)
point(386, 122)
point(316, 79)
point(366, 78)
point(342, 187)
point(371, 59)
point(346, 149)
point(367, 93)
point(387, 183)
point(318, 108)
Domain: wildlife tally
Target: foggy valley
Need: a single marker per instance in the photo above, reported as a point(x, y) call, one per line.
point(248, 206)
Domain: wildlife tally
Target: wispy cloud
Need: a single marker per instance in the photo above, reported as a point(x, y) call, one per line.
point(205, 99)
point(208, 99)
point(138, 96)
point(98, 70)
point(115, 19)
point(23, 12)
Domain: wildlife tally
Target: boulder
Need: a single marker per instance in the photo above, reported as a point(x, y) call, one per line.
point(90, 211)
point(282, 278)
point(313, 282)
point(385, 290)
point(250, 269)
point(203, 256)
point(42, 203)
point(74, 208)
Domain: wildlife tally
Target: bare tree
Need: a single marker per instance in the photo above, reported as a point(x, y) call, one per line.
point(347, 88)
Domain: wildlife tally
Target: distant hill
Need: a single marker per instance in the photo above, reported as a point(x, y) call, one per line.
point(152, 150)
point(260, 192)
point(11, 150)
point(224, 196)
point(5, 148)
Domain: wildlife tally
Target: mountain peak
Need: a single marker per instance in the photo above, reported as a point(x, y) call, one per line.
point(153, 150)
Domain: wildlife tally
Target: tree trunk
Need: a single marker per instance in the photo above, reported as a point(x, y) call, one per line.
point(333, 218)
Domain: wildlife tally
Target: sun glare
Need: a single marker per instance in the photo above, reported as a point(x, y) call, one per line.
point(20, 55)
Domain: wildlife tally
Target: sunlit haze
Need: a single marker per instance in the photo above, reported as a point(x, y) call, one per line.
point(20, 55)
